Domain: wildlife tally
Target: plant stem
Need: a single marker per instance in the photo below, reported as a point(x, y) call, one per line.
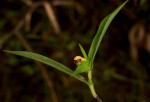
point(91, 86)
point(98, 99)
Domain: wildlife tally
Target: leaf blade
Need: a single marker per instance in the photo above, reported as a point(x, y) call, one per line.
point(47, 61)
point(101, 31)
point(83, 51)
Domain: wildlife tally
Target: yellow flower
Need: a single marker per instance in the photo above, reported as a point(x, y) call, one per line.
point(78, 60)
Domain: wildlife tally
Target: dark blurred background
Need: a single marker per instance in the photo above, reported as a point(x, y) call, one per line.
point(54, 28)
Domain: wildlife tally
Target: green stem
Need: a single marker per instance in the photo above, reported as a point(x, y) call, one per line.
point(91, 86)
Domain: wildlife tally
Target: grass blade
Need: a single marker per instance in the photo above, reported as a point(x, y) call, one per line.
point(101, 31)
point(49, 62)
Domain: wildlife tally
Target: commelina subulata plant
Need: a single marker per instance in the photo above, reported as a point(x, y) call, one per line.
point(85, 63)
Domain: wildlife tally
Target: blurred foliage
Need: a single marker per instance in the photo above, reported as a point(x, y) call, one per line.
point(117, 77)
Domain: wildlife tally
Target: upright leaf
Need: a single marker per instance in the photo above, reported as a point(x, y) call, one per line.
point(49, 62)
point(101, 31)
point(83, 51)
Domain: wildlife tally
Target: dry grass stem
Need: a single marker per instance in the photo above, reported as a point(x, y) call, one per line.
point(51, 15)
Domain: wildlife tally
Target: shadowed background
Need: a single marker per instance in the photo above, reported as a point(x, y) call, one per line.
point(54, 28)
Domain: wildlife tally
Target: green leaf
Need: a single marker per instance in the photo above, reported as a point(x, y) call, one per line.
point(49, 62)
point(83, 51)
point(101, 31)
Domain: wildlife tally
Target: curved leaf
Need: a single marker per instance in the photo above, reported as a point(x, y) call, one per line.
point(101, 31)
point(49, 62)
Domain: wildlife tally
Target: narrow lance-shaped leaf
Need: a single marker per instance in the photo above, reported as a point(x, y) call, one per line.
point(101, 31)
point(83, 51)
point(49, 62)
